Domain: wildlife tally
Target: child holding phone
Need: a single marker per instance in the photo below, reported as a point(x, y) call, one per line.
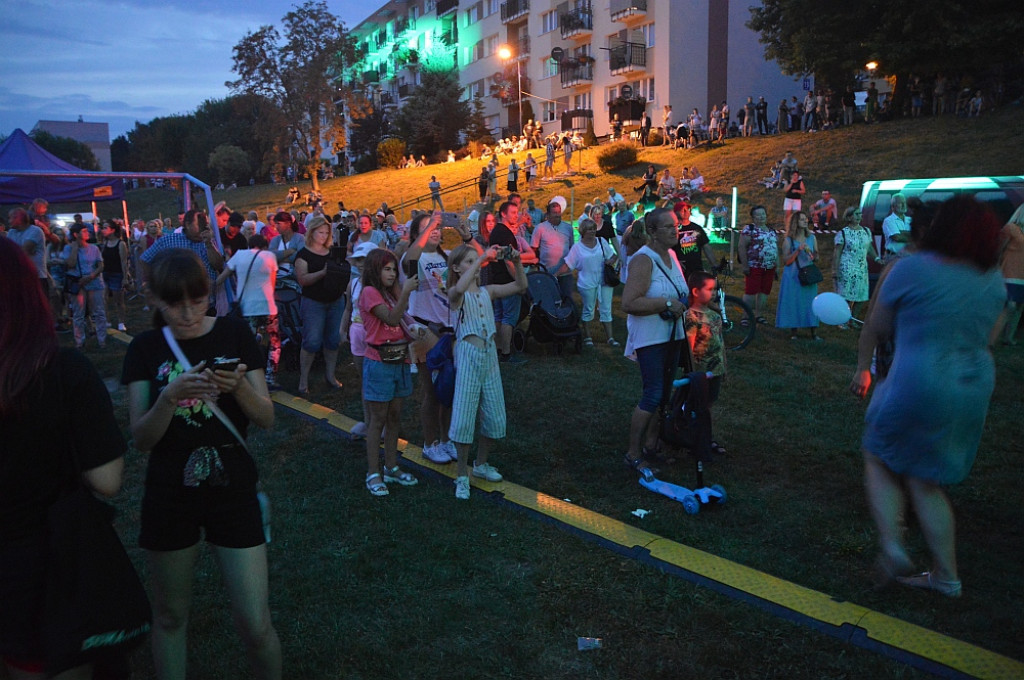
point(387, 380)
point(477, 377)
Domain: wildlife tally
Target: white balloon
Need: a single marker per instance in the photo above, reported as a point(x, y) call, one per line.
point(831, 308)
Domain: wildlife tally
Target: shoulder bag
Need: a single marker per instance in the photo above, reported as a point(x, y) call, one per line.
point(808, 274)
point(235, 311)
point(611, 271)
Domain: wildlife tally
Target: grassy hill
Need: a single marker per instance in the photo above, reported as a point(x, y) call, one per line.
point(839, 160)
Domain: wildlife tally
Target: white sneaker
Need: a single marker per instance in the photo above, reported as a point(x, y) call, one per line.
point(449, 448)
point(359, 430)
point(121, 327)
point(486, 471)
point(435, 453)
point(462, 488)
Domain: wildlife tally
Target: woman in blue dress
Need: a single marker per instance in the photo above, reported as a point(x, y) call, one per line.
point(925, 420)
point(799, 249)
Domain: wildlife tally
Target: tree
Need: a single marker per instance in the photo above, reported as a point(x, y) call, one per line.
point(434, 114)
point(298, 71)
point(476, 126)
point(230, 162)
point(368, 126)
point(834, 40)
point(67, 149)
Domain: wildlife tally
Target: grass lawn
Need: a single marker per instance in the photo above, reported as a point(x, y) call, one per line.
point(418, 585)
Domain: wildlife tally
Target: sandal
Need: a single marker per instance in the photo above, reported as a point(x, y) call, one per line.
point(399, 476)
point(640, 465)
point(926, 581)
point(377, 488)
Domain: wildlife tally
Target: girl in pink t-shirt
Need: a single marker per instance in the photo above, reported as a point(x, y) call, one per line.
point(386, 376)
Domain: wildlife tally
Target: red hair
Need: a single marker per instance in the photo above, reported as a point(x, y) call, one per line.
point(965, 229)
point(27, 335)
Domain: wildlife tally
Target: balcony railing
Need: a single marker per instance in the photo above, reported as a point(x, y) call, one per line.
point(577, 22)
point(404, 90)
point(446, 7)
point(512, 99)
point(627, 57)
point(575, 74)
point(622, 10)
point(404, 24)
point(371, 76)
point(449, 37)
point(522, 47)
point(513, 9)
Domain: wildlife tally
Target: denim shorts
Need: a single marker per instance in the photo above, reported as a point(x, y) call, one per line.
point(385, 381)
point(506, 310)
point(321, 324)
point(652, 372)
point(114, 282)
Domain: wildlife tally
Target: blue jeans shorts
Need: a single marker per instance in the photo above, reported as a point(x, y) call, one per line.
point(506, 310)
point(385, 381)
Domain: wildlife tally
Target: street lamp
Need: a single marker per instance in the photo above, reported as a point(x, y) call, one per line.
point(505, 52)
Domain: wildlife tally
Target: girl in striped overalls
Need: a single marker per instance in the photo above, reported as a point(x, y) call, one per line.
point(477, 378)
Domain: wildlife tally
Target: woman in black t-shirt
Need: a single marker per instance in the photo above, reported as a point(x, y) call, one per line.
point(200, 479)
point(36, 463)
point(323, 303)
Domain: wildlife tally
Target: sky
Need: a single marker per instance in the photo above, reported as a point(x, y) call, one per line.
point(122, 61)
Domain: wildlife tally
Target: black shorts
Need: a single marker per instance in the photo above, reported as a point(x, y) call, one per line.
point(22, 571)
point(174, 518)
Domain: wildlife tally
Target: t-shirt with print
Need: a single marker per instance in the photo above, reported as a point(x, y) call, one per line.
point(692, 239)
point(427, 301)
point(704, 330)
point(182, 457)
point(763, 251)
point(378, 332)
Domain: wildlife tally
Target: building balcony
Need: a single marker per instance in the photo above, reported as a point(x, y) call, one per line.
point(627, 58)
point(522, 47)
point(514, 9)
point(371, 76)
point(403, 24)
point(404, 90)
point(627, 10)
point(446, 7)
point(573, 74)
point(577, 22)
point(449, 37)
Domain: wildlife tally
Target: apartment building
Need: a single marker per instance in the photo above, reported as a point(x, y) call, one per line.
point(573, 59)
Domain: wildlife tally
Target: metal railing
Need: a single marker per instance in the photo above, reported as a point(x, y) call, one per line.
point(627, 57)
point(513, 9)
point(574, 74)
point(576, 21)
point(446, 6)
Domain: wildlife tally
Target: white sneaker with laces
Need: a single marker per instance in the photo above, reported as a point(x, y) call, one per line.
point(462, 488)
point(449, 447)
point(435, 453)
point(486, 471)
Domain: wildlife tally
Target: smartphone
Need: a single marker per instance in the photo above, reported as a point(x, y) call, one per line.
point(450, 219)
point(504, 253)
point(225, 364)
point(410, 267)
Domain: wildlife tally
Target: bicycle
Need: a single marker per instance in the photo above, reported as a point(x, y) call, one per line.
point(738, 323)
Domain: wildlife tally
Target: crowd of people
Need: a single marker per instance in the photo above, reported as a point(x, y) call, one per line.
point(392, 293)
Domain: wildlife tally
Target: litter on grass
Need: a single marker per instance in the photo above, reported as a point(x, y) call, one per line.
point(641, 513)
point(585, 643)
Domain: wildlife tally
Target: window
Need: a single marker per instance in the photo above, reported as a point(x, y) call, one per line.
point(474, 53)
point(650, 89)
point(414, 13)
point(581, 51)
point(548, 22)
point(648, 33)
point(473, 14)
point(490, 7)
point(550, 68)
point(583, 101)
point(493, 123)
point(549, 112)
point(475, 90)
point(612, 93)
point(429, 6)
point(490, 45)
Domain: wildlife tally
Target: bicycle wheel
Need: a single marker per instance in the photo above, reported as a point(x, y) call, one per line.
point(735, 333)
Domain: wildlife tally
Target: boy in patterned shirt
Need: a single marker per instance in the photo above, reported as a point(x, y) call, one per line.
point(703, 326)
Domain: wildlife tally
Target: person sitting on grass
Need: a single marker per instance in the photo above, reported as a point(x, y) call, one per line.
point(703, 326)
point(478, 388)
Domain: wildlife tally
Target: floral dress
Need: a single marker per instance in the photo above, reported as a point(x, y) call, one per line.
point(852, 275)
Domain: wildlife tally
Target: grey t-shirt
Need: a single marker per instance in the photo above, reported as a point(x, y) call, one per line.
point(32, 234)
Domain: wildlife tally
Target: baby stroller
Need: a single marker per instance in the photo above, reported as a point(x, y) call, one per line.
point(289, 325)
point(553, 318)
point(686, 423)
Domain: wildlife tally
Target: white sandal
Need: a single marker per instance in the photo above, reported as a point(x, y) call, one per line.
point(377, 488)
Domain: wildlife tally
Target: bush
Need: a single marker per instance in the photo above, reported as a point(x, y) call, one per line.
point(390, 153)
point(657, 138)
point(616, 156)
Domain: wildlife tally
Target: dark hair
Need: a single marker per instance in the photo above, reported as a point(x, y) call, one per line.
point(177, 274)
point(199, 216)
point(758, 207)
point(504, 207)
point(965, 229)
point(258, 241)
point(372, 267)
point(26, 326)
point(414, 231)
point(699, 278)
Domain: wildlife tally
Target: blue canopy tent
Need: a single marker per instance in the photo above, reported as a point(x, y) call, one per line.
point(28, 172)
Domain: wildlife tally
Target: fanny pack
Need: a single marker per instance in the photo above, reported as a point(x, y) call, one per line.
point(392, 353)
